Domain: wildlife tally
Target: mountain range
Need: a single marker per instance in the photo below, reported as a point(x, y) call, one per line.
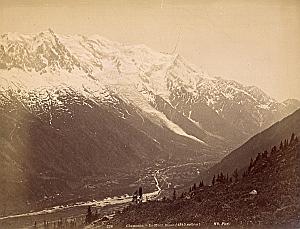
point(76, 107)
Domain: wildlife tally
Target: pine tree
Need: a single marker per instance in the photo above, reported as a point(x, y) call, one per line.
point(174, 194)
point(95, 215)
point(201, 184)
point(236, 175)
point(194, 186)
point(89, 215)
point(222, 178)
point(274, 149)
point(140, 192)
point(265, 154)
point(182, 195)
point(257, 157)
point(285, 145)
point(281, 146)
point(134, 196)
point(292, 138)
point(250, 165)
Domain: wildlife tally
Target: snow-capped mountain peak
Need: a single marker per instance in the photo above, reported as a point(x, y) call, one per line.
point(95, 65)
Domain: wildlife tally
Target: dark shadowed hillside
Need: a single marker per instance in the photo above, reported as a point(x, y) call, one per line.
point(267, 194)
point(240, 157)
point(84, 144)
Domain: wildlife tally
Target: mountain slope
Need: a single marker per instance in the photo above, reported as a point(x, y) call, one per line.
point(135, 72)
point(268, 195)
point(240, 157)
point(80, 141)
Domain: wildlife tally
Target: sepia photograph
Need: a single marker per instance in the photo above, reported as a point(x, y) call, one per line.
point(149, 114)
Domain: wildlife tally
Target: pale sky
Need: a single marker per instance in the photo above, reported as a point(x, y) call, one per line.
point(253, 42)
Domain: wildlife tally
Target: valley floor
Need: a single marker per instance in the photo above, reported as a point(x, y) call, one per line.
point(157, 182)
